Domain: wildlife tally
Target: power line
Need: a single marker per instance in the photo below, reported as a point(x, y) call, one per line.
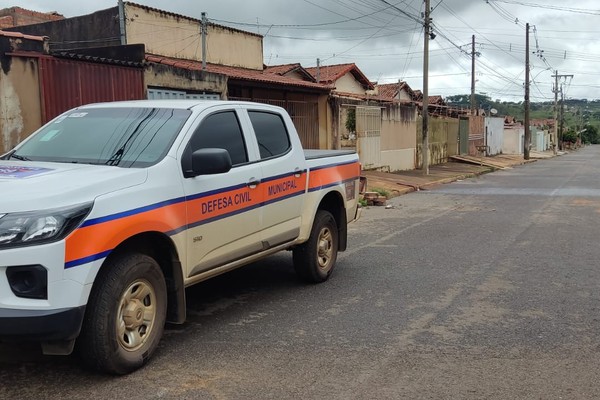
point(548, 7)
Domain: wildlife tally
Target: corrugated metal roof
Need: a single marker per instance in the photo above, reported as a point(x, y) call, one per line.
point(103, 60)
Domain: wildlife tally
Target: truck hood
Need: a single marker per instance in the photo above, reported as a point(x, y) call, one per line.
point(28, 186)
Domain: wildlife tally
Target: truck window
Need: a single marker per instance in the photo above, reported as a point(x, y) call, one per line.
point(271, 134)
point(222, 131)
point(127, 137)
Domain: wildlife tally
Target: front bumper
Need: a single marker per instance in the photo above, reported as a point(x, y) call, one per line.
point(41, 325)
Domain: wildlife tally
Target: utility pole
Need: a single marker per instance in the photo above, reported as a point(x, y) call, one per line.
point(527, 128)
point(555, 134)
point(425, 144)
point(562, 117)
point(557, 120)
point(204, 31)
point(122, 32)
point(473, 76)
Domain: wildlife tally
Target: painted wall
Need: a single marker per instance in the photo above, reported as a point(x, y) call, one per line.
point(349, 84)
point(443, 140)
point(403, 95)
point(540, 139)
point(168, 35)
point(398, 137)
point(494, 135)
point(514, 137)
point(163, 76)
point(20, 111)
point(162, 33)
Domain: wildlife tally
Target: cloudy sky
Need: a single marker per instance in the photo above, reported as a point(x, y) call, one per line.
point(385, 38)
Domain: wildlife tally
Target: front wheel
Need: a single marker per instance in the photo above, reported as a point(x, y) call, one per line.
point(314, 260)
point(125, 315)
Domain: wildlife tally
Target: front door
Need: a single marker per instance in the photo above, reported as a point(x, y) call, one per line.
point(223, 210)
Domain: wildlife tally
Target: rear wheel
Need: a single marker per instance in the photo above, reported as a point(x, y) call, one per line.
point(315, 259)
point(125, 315)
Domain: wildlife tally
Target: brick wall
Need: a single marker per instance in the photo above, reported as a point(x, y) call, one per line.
point(17, 16)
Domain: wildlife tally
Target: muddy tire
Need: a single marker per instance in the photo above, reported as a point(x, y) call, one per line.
point(125, 315)
point(315, 259)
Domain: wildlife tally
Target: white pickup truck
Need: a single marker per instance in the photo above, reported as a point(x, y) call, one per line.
point(111, 210)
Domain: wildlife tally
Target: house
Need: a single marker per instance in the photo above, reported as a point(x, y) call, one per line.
point(348, 79)
point(380, 129)
point(400, 91)
point(304, 100)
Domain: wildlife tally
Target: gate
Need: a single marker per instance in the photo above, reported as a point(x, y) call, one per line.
point(368, 134)
point(304, 114)
point(463, 131)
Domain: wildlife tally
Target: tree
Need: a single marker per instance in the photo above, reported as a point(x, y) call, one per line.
point(570, 136)
point(351, 121)
point(590, 135)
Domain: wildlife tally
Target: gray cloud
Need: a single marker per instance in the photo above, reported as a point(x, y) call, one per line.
point(388, 46)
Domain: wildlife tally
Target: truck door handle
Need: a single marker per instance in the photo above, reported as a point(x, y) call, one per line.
point(253, 183)
point(297, 172)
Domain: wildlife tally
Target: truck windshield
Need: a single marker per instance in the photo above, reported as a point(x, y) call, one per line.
point(124, 137)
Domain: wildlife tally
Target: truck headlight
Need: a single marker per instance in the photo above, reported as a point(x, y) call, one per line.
point(35, 227)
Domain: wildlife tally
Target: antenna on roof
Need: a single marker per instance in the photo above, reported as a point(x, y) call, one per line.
point(318, 70)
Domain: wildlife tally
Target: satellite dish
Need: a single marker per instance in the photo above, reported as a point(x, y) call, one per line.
point(493, 111)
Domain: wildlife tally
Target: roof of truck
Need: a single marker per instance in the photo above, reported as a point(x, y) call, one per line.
point(184, 104)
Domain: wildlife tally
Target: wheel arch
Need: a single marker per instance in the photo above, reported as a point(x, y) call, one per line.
point(161, 248)
point(333, 202)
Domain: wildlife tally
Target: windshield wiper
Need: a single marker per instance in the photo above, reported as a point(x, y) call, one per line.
point(116, 158)
point(18, 157)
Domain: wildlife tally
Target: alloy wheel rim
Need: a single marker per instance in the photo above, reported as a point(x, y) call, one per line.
point(137, 315)
point(325, 248)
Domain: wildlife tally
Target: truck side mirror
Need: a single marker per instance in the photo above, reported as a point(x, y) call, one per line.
point(208, 162)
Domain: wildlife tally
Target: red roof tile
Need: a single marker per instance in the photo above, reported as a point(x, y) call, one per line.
point(361, 96)
point(436, 100)
point(331, 73)
point(391, 90)
point(238, 73)
point(282, 69)
point(388, 90)
point(289, 68)
point(19, 35)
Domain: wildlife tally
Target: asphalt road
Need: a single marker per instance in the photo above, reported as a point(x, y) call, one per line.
point(485, 288)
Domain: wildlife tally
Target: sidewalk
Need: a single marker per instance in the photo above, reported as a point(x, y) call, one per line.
point(459, 168)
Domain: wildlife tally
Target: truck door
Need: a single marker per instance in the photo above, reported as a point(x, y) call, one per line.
point(223, 210)
point(284, 176)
